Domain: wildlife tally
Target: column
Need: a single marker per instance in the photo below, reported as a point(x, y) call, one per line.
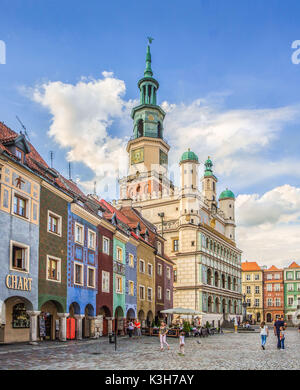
point(33, 325)
point(109, 325)
point(62, 326)
point(92, 326)
point(79, 318)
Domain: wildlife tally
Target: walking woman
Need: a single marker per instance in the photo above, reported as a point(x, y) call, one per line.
point(264, 333)
point(163, 330)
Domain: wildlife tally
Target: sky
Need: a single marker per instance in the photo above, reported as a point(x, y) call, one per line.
point(229, 83)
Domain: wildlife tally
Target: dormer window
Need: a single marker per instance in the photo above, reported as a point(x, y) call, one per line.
point(19, 154)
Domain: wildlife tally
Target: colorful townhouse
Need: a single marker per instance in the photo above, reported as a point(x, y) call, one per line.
point(19, 238)
point(164, 279)
point(273, 293)
point(252, 287)
point(291, 290)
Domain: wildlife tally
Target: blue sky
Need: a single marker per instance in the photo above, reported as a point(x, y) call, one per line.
point(235, 56)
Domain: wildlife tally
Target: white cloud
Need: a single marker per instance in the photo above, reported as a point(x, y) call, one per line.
point(268, 226)
point(81, 117)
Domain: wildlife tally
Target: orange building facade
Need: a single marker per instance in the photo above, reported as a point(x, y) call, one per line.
point(273, 293)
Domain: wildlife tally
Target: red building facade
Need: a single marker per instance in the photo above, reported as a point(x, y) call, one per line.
point(273, 293)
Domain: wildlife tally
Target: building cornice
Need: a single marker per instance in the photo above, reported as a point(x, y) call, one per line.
point(56, 191)
point(80, 212)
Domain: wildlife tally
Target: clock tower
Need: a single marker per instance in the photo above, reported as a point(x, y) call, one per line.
point(147, 149)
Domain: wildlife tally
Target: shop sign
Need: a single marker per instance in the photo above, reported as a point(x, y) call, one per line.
point(16, 282)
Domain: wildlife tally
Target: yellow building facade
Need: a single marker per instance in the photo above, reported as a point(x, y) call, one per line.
point(252, 287)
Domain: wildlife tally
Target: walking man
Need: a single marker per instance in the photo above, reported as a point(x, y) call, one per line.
point(277, 325)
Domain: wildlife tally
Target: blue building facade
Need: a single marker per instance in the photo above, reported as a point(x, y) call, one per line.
point(82, 266)
point(131, 277)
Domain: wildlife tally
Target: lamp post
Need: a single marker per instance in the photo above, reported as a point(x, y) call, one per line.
point(161, 215)
point(244, 304)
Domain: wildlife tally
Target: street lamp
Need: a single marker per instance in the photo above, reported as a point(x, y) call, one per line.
point(244, 304)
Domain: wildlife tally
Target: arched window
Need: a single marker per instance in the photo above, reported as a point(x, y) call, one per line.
point(140, 128)
point(214, 186)
point(138, 188)
point(159, 130)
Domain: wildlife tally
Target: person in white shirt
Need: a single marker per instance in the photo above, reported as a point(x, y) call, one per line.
point(181, 343)
point(264, 333)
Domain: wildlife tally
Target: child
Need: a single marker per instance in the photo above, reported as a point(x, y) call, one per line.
point(282, 336)
point(181, 343)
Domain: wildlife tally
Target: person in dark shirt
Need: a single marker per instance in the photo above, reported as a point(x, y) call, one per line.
point(277, 325)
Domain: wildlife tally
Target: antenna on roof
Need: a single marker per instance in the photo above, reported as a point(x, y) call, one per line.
point(24, 128)
point(70, 173)
point(51, 158)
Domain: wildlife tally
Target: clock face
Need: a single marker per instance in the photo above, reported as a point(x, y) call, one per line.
point(137, 156)
point(150, 117)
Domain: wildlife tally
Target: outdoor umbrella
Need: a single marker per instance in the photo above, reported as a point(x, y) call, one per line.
point(182, 310)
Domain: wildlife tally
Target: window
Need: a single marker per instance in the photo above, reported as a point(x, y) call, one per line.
point(19, 257)
point(290, 301)
point(150, 268)
point(79, 230)
point(277, 276)
point(269, 287)
point(248, 289)
point(289, 275)
point(106, 245)
point(20, 318)
point(175, 245)
point(54, 223)
point(277, 287)
point(277, 302)
point(91, 239)
point(142, 266)
point(257, 289)
point(248, 302)
point(105, 281)
point(270, 302)
point(193, 243)
point(53, 268)
point(269, 276)
point(168, 295)
point(159, 269)
point(248, 277)
point(175, 275)
point(142, 292)
point(19, 154)
point(159, 247)
point(168, 273)
point(256, 302)
point(131, 287)
point(297, 275)
point(131, 260)
point(119, 254)
point(149, 294)
point(20, 206)
point(298, 287)
point(256, 277)
point(159, 292)
point(290, 287)
point(78, 274)
point(119, 284)
point(91, 282)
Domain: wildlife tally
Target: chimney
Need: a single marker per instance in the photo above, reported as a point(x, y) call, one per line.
point(125, 202)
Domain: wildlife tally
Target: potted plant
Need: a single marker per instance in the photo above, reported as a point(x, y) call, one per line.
point(186, 328)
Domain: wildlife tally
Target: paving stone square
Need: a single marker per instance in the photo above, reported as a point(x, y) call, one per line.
point(222, 352)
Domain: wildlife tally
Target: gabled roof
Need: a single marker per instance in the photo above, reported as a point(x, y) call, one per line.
point(250, 266)
point(273, 268)
point(294, 265)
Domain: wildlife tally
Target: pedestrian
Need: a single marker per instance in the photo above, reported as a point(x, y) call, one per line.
point(277, 325)
point(264, 333)
point(181, 344)
point(235, 325)
point(163, 330)
point(282, 336)
point(137, 325)
point(130, 328)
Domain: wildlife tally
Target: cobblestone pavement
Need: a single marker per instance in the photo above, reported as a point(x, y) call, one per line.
point(228, 351)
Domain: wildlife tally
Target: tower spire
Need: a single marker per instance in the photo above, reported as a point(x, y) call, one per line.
point(148, 71)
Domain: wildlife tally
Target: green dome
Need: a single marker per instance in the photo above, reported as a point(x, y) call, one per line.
point(189, 155)
point(226, 194)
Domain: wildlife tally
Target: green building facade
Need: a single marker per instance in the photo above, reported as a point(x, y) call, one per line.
point(291, 290)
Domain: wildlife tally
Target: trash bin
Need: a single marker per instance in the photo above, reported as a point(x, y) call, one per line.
point(111, 338)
